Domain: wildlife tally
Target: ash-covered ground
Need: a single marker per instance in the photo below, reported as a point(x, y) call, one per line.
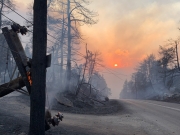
point(15, 113)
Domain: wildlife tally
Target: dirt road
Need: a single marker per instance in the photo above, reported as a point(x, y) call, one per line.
point(137, 118)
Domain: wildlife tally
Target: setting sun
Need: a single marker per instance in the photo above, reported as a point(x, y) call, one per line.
point(115, 65)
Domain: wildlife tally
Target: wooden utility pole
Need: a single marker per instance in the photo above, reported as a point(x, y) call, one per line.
point(18, 53)
point(37, 111)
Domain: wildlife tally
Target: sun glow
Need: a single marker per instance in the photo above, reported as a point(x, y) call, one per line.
point(115, 65)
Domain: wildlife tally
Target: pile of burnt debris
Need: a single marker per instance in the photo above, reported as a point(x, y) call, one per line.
point(71, 103)
point(66, 102)
point(173, 98)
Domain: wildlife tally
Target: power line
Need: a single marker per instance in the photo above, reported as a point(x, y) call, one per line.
point(116, 72)
point(31, 31)
point(109, 70)
point(32, 24)
point(27, 21)
point(16, 12)
point(109, 73)
point(77, 52)
point(8, 48)
point(8, 18)
point(13, 51)
point(22, 17)
point(79, 55)
point(47, 39)
point(28, 30)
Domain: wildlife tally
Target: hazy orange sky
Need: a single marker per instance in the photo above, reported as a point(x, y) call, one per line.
point(127, 31)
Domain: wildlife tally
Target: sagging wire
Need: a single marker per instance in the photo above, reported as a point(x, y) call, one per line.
point(77, 52)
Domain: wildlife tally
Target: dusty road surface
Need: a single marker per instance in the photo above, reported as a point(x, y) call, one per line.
point(139, 118)
point(136, 118)
point(158, 118)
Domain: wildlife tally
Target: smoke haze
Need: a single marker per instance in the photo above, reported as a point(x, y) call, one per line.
point(127, 32)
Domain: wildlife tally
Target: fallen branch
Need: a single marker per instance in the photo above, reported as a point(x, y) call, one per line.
point(11, 86)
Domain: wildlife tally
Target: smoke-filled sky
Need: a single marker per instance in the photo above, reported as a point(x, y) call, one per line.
point(127, 31)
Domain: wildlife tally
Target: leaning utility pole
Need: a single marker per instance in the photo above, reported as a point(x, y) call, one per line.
point(37, 96)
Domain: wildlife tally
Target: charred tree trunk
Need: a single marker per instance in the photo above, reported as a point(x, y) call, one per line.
point(69, 47)
point(85, 66)
point(177, 55)
point(62, 53)
point(37, 110)
point(9, 87)
point(93, 61)
point(1, 12)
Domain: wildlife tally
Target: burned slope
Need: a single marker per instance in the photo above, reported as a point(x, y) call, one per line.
point(87, 106)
